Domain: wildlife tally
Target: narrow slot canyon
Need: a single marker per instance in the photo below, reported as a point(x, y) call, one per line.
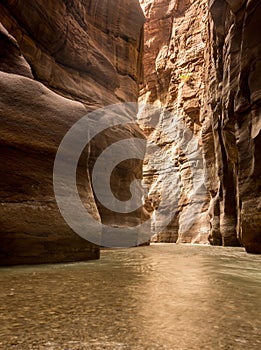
point(130, 198)
point(196, 62)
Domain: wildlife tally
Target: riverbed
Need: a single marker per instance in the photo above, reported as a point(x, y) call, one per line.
point(162, 297)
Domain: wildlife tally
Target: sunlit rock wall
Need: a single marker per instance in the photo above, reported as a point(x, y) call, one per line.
point(174, 79)
point(202, 62)
point(59, 61)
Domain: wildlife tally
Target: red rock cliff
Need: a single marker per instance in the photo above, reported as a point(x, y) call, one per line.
point(202, 62)
point(174, 79)
point(59, 60)
point(234, 98)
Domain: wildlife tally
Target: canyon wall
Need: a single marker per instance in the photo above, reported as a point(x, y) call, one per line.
point(175, 60)
point(202, 64)
point(59, 61)
point(234, 96)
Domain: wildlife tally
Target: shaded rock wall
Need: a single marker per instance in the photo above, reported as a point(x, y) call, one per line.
point(202, 62)
point(234, 98)
point(59, 61)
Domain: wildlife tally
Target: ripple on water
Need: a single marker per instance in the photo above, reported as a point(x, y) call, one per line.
point(165, 296)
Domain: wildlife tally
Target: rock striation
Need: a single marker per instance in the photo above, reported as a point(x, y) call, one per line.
point(202, 63)
point(234, 96)
point(59, 61)
point(174, 78)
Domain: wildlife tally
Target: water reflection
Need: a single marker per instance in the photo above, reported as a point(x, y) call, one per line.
point(157, 297)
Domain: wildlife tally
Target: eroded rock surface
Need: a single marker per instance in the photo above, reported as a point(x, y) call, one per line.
point(63, 59)
point(174, 74)
point(202, 62)
point(59, 61)
point(234, 96)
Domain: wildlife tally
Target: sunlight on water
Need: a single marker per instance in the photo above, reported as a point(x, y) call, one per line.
point(173, 297)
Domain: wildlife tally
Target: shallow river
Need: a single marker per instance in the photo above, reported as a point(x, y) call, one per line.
point(165, 296)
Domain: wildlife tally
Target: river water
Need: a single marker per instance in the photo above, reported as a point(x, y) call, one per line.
point(165, 296)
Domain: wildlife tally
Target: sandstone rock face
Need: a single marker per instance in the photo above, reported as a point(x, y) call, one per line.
point(62, 59)
point(174, 74)
point(234, 98)
point(59, 61)
point(85, 50)
point(202, 61)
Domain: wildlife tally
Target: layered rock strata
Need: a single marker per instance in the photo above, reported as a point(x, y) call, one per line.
point(234, 96)
point(59, 61)
point(202, 62)
point(174, 76)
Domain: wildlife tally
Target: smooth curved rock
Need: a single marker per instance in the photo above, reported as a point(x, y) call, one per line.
point(235, 95)
point(59, 61)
